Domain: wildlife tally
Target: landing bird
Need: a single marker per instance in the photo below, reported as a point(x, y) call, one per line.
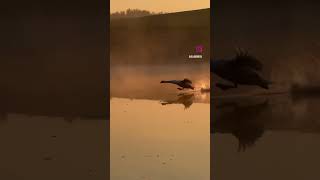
point(184, 84)
point(242, 69)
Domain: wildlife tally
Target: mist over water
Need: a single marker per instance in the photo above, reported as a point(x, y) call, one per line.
point(143, 81)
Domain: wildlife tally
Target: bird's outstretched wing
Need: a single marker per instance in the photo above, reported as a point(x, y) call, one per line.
point(244, 59)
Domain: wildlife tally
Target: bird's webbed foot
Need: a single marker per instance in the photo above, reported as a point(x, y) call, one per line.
point(225, 86)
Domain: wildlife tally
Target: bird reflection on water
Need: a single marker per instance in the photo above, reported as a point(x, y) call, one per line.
point(248, 118)
point(240, 121)
point(185, 99)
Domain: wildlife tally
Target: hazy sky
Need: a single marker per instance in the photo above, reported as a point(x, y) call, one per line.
point(159, 5)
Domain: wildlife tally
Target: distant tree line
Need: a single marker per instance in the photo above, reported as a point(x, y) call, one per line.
point(132, 13)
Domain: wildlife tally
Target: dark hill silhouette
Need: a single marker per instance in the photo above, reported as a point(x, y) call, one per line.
point(132, 13)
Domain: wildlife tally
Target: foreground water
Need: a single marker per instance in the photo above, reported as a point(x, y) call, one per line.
point(159, 140)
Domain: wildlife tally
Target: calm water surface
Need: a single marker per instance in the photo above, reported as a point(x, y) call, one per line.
point(150, 140)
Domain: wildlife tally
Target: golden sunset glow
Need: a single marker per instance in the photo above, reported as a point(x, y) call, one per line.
point(203, 84)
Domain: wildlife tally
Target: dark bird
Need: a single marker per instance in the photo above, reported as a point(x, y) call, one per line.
point(240, 70)
point(184, 84)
